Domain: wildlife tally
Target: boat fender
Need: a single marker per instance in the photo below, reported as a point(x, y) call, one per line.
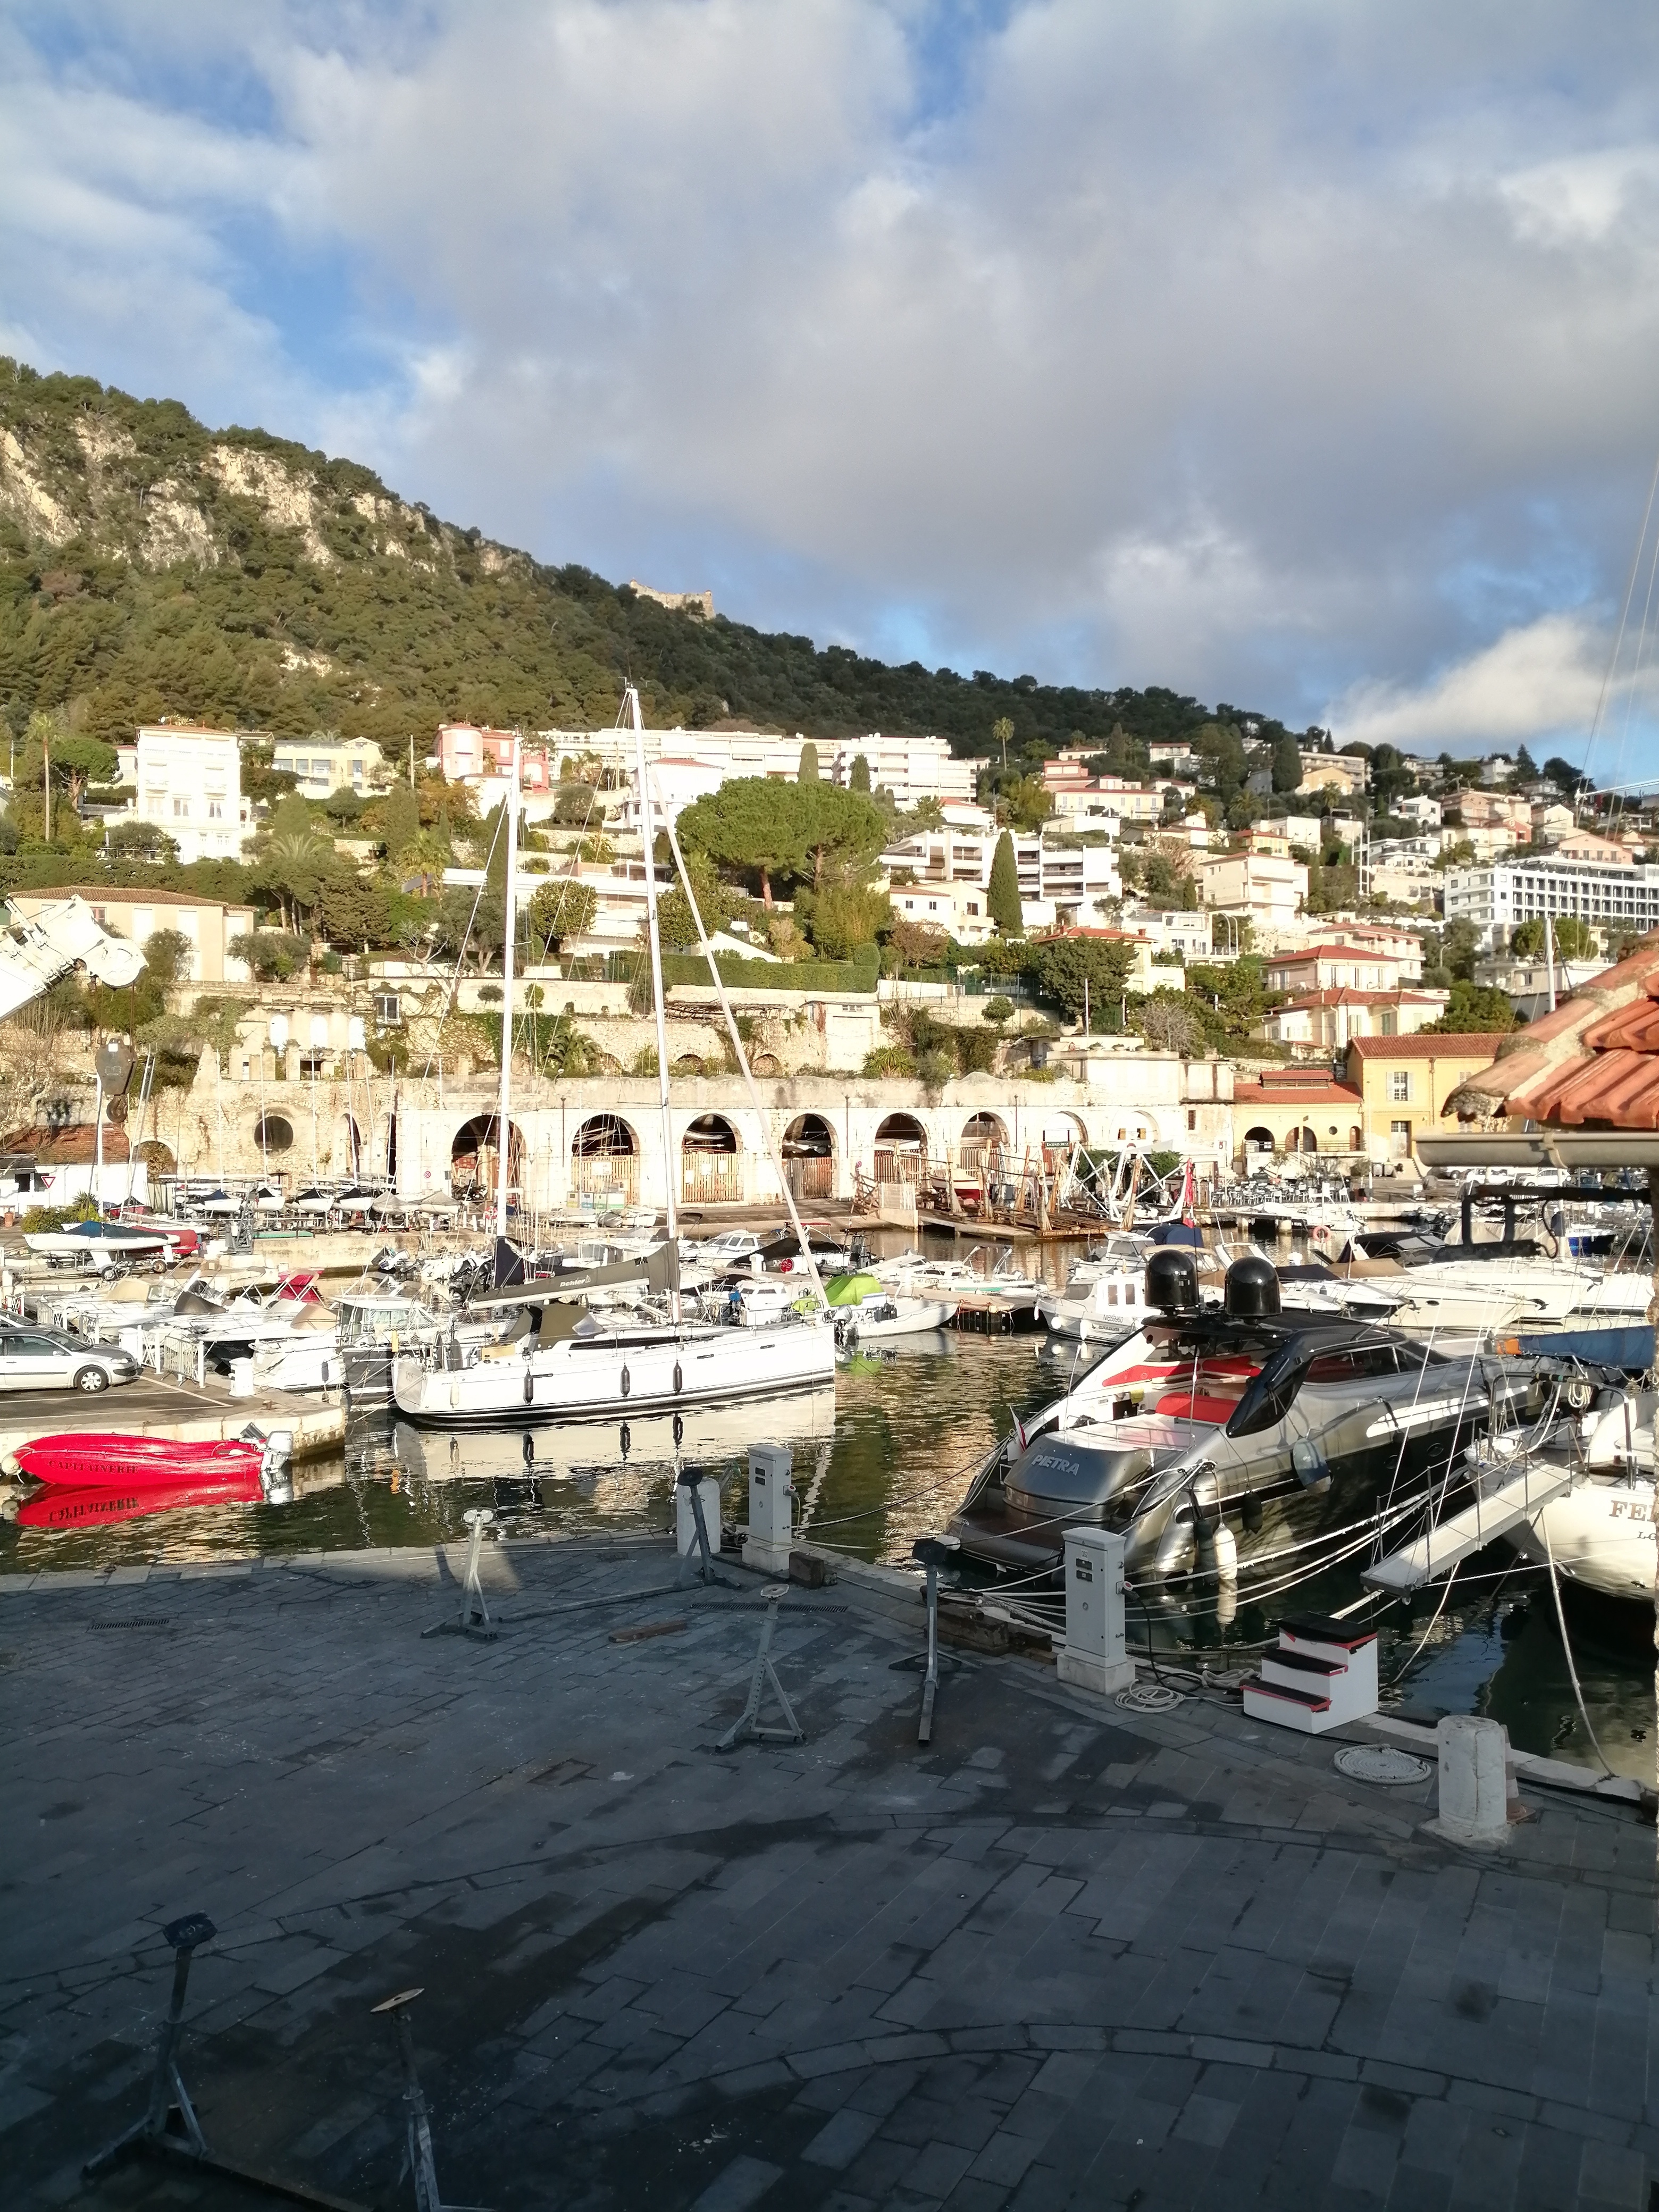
point(529, 1450)
point(529, 1388)
point(625, 1439)
point(626, 1380)
point(678, 1386)
point(679, 1427)
point(1251, 1514)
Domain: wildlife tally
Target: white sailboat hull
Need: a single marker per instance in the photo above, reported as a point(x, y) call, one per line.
point(608, 1377)
point(1602, 1536)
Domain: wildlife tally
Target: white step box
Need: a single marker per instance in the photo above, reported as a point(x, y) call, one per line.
point(1322, 1676)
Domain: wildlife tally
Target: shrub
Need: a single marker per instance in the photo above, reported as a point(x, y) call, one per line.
point(889, 1060)
point(40, 1218)
point(997, 1011)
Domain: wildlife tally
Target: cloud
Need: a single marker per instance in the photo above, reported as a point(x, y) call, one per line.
point(1253, 352)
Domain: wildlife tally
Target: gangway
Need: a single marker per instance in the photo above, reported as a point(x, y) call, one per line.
point(1503, 1500)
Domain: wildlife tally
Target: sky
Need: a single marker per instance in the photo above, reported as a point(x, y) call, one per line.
point(1300, 354)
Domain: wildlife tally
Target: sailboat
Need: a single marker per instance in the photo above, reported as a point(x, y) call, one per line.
point(570, 1364)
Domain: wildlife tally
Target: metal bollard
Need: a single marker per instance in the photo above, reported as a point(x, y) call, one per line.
point(934, 1552)
point(475, 1611)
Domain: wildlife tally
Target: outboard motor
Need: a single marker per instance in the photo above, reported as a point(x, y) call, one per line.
point(1251, 1290)
point(1172, 1281)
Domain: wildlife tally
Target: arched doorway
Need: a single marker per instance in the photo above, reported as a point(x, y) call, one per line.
point(474, 1159)
point(984, 1145)
point(1061, 1135)
point(1258, 1140)
point(809, 1157)
point(901, 1149)
point(709, 1170)
point(1310, 1140)
point(605, 1161)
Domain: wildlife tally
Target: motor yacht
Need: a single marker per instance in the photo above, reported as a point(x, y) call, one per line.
point(1275, 1426)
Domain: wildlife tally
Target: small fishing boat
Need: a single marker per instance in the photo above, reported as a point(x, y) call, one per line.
point(868, 1312)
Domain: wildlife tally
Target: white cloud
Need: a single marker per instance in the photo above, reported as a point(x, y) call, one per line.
point(1248, 351)
point(1541, 683)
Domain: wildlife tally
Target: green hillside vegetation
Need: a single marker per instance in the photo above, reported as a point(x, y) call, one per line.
point(149, 565)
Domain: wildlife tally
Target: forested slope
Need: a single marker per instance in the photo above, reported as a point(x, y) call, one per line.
point(150, 566)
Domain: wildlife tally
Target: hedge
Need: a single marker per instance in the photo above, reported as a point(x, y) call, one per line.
point(859, 974)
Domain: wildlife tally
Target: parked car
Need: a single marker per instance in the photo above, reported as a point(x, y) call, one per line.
point(48, 1359)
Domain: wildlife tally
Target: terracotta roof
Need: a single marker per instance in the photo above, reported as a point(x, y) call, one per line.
point(1289, 1092)
point(1327, 952)
point(1344, 995)
point(129, 895)
point(73, 1144)
point(1454, 1044)
point(1594, 1062)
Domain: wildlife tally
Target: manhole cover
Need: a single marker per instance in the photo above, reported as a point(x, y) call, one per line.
point(1380, 1762)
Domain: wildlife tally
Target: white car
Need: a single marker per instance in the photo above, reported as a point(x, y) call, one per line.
point(47, 1359)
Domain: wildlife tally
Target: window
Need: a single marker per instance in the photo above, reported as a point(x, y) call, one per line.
point(386, 1011)
point(1192, 1118)
point(1400, 1087)
point(1387, 1022)
point(216, 811)
point(181, 810)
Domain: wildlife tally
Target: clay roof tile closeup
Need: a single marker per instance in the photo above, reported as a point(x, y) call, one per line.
point(1594, 1060)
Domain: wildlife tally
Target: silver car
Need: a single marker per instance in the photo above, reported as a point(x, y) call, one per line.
point(47, 1359)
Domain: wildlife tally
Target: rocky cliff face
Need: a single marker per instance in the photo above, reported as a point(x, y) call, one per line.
point(142, 481)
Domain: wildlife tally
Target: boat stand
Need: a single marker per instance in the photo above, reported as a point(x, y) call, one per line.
point(475, 1611)
point(689, 1480)
point(169, 2127)
point(417, 2156)
point(748, 1725)
point(933, 1553)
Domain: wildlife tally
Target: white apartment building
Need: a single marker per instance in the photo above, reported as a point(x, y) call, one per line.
point(1059, 881)
point(190, 784)
point(322, 765)
point(1267, 889)
point(912, 769)
point(1616, 896)
point(1419, 808)
point(959, 909)
point(1186, 932)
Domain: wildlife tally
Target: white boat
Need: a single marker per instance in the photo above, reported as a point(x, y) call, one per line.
point(306, 1357)
point(98, 1243)
point(1599, 1530)
point(889, 1314)
point(587, 1369)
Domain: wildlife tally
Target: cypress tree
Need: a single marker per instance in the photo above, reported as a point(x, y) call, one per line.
point(808, 770)
point(859, 780)
point(1002, 899)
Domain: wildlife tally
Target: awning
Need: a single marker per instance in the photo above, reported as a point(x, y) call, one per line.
point(1539, 1148)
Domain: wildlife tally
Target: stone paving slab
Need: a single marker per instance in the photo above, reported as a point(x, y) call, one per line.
point(1067, 1954)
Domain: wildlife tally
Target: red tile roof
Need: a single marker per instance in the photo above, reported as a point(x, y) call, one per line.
point(1329, 952)
point(1453, 1044)
point(1593, 1062)
point(1344, 995)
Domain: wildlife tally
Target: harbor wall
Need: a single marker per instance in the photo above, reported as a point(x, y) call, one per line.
point(597, 1142)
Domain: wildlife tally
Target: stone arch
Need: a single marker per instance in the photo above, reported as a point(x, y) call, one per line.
point(809, 1157)
point(1258, 1140)
point(605, 1161)
point(475, 1154)
point(710, 1171)
point(984, 1147)
point(1062, 1132)
point(901, 1149)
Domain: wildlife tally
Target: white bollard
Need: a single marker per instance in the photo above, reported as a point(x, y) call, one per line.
point(241, 1378)
point(1474, 1781)
point(1094, 1655)
point(685, 1521)
point(771, 1509)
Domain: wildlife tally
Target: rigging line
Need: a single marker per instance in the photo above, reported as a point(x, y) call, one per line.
point(1624, 616)
point(1542, 1526)
point(1643, 633)
point(466, 938)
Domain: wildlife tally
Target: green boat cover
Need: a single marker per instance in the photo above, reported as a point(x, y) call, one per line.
point(849, 1289)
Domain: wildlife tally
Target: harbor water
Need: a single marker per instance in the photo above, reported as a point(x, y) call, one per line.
point(883, 1458)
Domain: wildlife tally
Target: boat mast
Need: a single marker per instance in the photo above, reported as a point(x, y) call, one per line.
point(509, 931)
point(633, 703)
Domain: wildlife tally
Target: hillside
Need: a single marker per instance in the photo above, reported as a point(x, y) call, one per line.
point(150, 566)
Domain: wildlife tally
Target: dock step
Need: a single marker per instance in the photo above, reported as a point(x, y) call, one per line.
point(1463, 1534)
point(1323, 1674)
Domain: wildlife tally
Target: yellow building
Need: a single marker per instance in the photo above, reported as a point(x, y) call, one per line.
point(1404, 1083)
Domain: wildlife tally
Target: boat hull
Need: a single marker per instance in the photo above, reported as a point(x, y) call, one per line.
point(112, 1462)
point(1601, 1536)
point(605, 1378)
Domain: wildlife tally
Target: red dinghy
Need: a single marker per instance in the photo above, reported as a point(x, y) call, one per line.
point(110, 1461)
point(96, 1508)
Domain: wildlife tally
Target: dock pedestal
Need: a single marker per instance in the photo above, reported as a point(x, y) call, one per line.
point(1095, 1656)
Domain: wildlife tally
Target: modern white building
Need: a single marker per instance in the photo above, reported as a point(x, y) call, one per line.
point(1261, 886)
point(190, 784)
point(1060, 879)
point(1614, 895)
point(912, 769)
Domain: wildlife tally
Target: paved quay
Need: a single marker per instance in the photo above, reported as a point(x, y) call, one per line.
point(1067, 1954)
